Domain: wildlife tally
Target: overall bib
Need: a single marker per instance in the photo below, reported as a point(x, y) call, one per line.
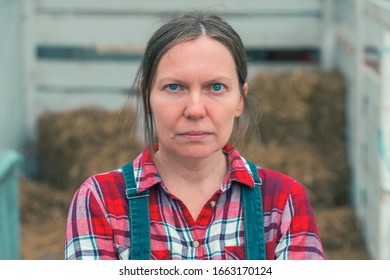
point(139, 218)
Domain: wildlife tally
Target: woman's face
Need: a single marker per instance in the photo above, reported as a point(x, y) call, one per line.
point(195, 98)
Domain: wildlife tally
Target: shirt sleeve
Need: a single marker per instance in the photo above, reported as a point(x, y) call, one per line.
point(299, 238)
point(88, 231)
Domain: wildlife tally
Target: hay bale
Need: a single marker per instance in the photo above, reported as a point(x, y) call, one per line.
point(302, 131)
point(327, 116)
point(340, 233)
point(311, 167)
point(76, 144)
point(43, 214)
point(41, 203)
point(284, 105)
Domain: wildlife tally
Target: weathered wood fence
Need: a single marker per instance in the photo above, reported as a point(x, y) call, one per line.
point(362, 32)
point(9, 205)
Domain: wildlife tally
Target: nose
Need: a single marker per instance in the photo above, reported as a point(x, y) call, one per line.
point(195, 108)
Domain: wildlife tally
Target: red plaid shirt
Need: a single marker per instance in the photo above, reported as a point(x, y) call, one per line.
point(98, 225)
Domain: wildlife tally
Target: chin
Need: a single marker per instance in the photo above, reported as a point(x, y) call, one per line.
point(197, 152)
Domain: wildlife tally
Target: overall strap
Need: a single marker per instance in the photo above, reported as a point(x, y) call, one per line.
point(139, 217)
point(253, 218)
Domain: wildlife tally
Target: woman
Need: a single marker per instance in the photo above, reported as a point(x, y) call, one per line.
point(189, 194)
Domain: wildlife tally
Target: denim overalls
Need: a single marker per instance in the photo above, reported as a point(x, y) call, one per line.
point(139, 218)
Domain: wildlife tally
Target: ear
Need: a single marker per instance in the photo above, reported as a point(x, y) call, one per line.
point(240, 105)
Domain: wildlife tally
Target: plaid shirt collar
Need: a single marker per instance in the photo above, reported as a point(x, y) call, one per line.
point(147, 175)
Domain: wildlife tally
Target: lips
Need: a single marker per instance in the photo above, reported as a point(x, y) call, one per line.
point(195, 134)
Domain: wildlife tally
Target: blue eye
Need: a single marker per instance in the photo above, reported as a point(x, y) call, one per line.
point(173, 86)
point(217, 87)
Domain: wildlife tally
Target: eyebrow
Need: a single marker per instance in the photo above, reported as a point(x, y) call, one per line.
point(221, 79)
point(169, 80)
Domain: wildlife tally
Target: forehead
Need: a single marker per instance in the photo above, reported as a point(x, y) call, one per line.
point(202, 54)
point(203, 43)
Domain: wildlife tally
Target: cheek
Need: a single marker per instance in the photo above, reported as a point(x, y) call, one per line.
point(157, 106)
point(226, 118)
point(164, 115)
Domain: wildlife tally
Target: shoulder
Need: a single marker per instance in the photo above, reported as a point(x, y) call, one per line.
point(109, 180)
point(276, 179)
point(278, 188)
point(103, 187)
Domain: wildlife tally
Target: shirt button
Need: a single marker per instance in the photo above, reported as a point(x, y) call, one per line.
point(195, 243)
point(212, 204)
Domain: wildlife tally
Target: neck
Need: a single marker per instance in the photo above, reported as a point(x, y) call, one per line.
point(192, 172)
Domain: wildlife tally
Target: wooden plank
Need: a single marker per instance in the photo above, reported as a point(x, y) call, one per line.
point(70, 75)
point(9, 210)
point(345, 12)
point(156, 6)
point(384, 233)
point(272, 32)
point(133, 32)
point(373, 34)
point(347, 63)
point(348, 19)
point(58, 101)
point(347, 38)
point(385, 125)
point(379, 10)
point(11, 95)
point(29, 71)
point(386, 72)
point(371, 221)
point(374, 128)
point(95, 30)
point(383, 151)
point(327, 36)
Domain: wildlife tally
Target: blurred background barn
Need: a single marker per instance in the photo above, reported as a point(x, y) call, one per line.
point(319, 73)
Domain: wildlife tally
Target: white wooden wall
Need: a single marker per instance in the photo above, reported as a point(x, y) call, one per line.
point(12, 104)
point(363, 55)
point(12, 100)
point(124, 26)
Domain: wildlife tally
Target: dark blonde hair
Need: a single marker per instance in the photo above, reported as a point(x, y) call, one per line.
point(186, 27)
